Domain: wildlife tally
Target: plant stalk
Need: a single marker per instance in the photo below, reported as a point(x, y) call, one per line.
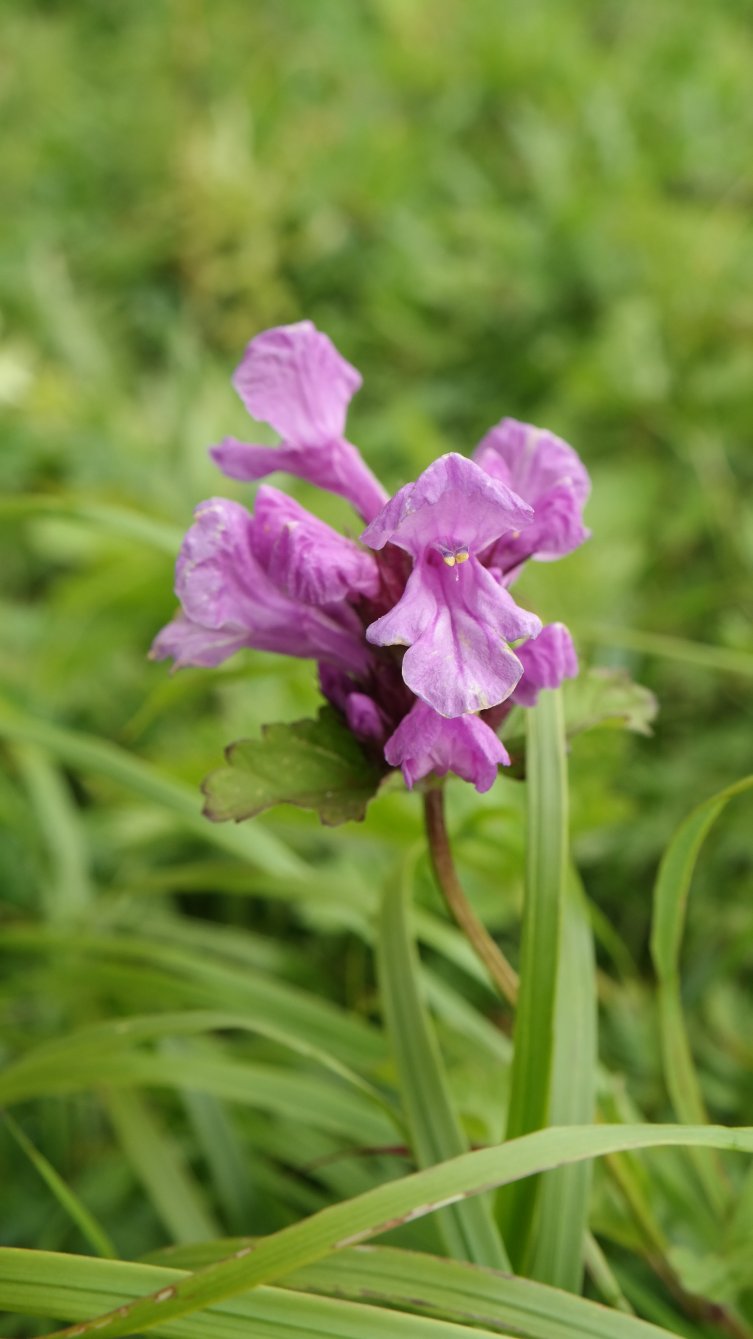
point(501, 972)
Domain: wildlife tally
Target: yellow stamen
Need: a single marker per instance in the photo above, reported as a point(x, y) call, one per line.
point(461, 556)
point(449, 558)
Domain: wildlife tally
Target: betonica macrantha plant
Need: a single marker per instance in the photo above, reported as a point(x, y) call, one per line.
point(420, 645)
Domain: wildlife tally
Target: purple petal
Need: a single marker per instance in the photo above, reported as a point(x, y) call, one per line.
point(456, 622)
point(425, 742)
point(335, 465)
point(305, 558)
point(547, 660)
point(189, 643)
point(364, 718)
point(335, 685)
point(229, 601)
point(550, 475)
point(293, 378)
point(453, 507)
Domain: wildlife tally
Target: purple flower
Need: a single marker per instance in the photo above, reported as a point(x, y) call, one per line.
point(550, 476)
point(230, 601)
point(547, 660)
point(306, 558)
point(426, 742)
point(364, 717)
point(416, 638)
point(454, 617)
point(293, 378)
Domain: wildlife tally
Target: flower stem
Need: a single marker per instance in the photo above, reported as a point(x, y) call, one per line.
point(502, 974)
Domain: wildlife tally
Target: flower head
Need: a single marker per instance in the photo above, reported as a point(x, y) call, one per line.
point(414, 629)
point(454, 617)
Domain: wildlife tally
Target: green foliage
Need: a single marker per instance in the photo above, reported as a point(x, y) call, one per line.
point(316, 765)
point(539, 210)
point(603, 697)
point(435, 1130)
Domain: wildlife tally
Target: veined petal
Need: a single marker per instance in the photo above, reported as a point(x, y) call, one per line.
point(293, 378)
point(547, 661)
point(426, 742)
point(305, 558)
point(453, 507)
point(550, 475)
point(189, 643)
point(408, 619)
point(336, 465)
point(456, 623)
point(229, 601)
point(364, 717)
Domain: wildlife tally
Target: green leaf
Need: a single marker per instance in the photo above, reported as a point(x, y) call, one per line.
point(545, 881)
point(387, 1205)
point(160, 1165)
point(670, 906)
point(270, 1088)
point(598, 697)
point(561, 1238)
point(86, 753)
point(607, 697)
point(298, 1017)
point(723, 659)
point(90, 1229)
point(43, 1283)
point(313, 764)
point(132, 525)
point(435, 1131)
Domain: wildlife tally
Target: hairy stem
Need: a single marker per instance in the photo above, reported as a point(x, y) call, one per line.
point(502, 974)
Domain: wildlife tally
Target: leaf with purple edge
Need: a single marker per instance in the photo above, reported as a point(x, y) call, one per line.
point(314, 764)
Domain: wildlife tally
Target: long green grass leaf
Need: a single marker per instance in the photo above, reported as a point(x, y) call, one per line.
point(259, 999)
point(92, 1231)
point(671, 893)
point(545, 882)
point(41, 1283)
point(561, 1236)
point(161, 1167)
point(131, 525)
point(435, 1131)
point(277, 1090)
point(385, 1206)
point(89, 754)
point(68, 893)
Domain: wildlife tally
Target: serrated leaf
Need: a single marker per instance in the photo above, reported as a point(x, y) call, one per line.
point(315, 764)
point(598, 697)
point(608, 697)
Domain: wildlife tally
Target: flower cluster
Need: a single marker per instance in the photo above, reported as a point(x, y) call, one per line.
point(419, 643)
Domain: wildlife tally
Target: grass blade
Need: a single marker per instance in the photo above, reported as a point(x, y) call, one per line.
point(411, 1197)
point(671, 893)
point(561, 1236)
point(69, 892)
point(86, 753)
point(90, 1229)
point(39, 1282)
point(435, 1131)
point(545, 881)
point(113, 520)
point(161, 1168)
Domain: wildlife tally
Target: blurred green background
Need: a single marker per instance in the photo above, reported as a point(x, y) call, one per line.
point(541, 210)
